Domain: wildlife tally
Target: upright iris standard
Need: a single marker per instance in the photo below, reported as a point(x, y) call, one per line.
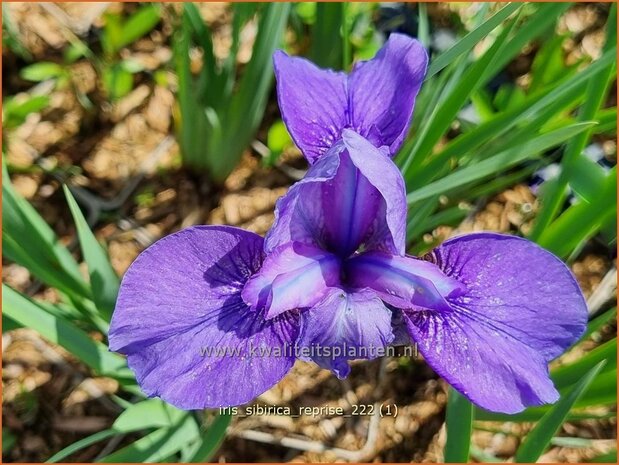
point(488, 311)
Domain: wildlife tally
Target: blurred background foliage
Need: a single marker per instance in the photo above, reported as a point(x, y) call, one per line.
point(122, 123)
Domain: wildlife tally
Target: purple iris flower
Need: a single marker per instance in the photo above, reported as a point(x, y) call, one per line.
point(376, 99)
point(213, 315)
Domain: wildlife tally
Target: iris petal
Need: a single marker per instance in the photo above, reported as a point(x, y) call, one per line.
point(492, 369)
point(353, 196)
point(182, 323)
point(353, 205)
point(313, 103)
point(403, 282)
point(389, 229)
point(293, 276)
point(376, 99)
point(345, 326)
point(522, 307)
point(382, 91)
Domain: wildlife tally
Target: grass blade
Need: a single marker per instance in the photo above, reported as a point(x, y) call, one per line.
point(30, 242)
point(327, 47)
point(566, 375)
point(424, 27)
point(597, 323)
point(158, 445)
point(469, 41)
point(103, 278)
point(586, 177)
point(514, 124)
point(149, 413)
point(536, 413)
point(538, 439)
point(539, 22)
point(459, 423)
point(246, 107)
point(191, 123)
point(29, 314)
point(603, 391)
point(443, 115)
point(610, 457)
point(138, 25)
point(81, 444)
point(497, 163)
point(209, 68)
point(213, 437)
point(582, 220)
point(594, 98)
